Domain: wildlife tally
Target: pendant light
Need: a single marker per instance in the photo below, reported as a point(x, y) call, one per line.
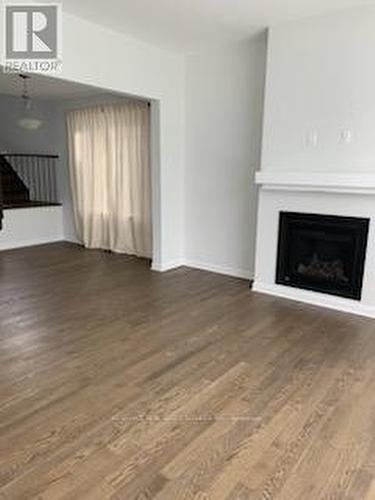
point(28, 120)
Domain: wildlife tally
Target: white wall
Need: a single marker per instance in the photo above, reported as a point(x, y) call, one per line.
point(31, 226)
point(321, 77)
point(224, 107)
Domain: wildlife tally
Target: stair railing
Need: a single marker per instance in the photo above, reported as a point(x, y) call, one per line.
point(39, 173)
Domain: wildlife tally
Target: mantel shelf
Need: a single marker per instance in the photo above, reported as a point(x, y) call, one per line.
point(361, 183)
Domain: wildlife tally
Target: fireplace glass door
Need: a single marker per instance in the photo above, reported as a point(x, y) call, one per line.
point(322, 253)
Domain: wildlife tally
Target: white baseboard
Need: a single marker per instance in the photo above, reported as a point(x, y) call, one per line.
point(316, 299)
point(166, 266)
point(227, 270)
point(71, 239)
point(29, 243)
point(203, 266)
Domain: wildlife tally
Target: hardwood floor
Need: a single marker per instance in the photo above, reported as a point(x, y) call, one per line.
point(117, 382)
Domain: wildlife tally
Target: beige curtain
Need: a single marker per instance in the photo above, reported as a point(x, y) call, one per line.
point(109, 158)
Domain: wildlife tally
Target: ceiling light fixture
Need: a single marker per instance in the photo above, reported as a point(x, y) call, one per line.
point(27, 121)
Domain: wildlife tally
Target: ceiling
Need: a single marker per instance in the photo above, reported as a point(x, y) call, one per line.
point(46, 88)
point(187, 25)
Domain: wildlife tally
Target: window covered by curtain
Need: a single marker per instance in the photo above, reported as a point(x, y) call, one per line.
point(109, 159)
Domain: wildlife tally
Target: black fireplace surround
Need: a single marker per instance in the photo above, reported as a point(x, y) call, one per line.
point(323, 253)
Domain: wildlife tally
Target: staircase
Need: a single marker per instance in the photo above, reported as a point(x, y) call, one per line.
point(13, 191)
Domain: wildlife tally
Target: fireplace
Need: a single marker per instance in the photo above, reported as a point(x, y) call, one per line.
point(322, 253)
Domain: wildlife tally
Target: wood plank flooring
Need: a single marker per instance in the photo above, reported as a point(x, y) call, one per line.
point(120, 383)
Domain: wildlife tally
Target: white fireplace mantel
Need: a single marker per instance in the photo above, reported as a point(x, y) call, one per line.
point(361, 183)
point(316, 193)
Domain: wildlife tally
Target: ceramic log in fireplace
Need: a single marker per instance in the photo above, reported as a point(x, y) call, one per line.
point(322, 253)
